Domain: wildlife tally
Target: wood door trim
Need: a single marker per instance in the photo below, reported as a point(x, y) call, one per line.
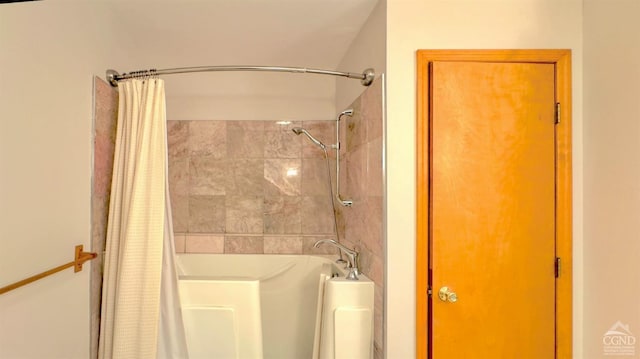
point(562, 61)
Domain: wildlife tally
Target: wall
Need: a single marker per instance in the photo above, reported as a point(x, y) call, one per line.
point(612, 170)
point(49, 52)
point(363, 226)
point(418, 24)
point(368, 50)
point(249, 187)
point(361, 177)
point(104, 141)
point(250, 96)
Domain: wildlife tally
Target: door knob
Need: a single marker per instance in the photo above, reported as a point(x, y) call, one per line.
point(447, 295)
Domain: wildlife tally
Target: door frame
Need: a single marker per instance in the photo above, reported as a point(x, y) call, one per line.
point(562, 61)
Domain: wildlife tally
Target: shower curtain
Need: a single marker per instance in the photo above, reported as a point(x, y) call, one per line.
point(141, 315)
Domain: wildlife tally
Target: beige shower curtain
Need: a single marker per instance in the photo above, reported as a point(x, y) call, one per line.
point(139, 257)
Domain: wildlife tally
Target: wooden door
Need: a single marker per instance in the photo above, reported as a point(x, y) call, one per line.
point(493, 220)
point(493, 207)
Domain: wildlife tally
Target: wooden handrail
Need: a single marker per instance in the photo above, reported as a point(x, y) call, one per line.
point(80, 258)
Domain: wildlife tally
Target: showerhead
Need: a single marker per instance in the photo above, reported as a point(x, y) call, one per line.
point(300, 130)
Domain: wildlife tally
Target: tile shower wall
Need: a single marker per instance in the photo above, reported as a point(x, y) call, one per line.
point(249, 186)
point(104, 139)
point(361, 180)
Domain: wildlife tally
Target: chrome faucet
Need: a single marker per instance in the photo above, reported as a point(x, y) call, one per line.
point(352, 256)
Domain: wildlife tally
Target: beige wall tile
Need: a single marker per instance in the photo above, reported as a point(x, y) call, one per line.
point(373, 178)
point(315, 178)
point(376, 270)
point(104, 148)
point(244, 177)
point(282, 177)
point(281, 142)
point(253, 126)
point(356, 131)
point(283, 245)
point(180, 212)
point(341, 219)
point(208, 138)
point(243, 245)
point(179, 175)
point(106, 107)
point(282, 215)
point(207, 214)
point(178, 138)
point(245, 142)
point(244, 214)
point(364, 223)
point(356, 175)
point(202, 175)
point(371, 110)
point(204, 243)
point(317, 215)
point(207, 175)
point(179, 242)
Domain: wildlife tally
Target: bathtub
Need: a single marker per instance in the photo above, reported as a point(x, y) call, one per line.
point(273, 307)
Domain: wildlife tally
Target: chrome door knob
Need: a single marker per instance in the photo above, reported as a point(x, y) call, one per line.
point(447, 295)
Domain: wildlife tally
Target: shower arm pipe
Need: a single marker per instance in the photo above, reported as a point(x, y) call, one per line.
point(344, 202)
point(366, 77)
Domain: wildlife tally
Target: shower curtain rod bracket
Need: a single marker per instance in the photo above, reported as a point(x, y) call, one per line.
point(369, 76)
point(366, 77)
point(112, 76)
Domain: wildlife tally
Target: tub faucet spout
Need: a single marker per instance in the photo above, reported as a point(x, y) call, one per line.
point(352, 256)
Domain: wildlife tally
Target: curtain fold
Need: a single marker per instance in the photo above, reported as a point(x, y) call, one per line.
point(137, 232)
point(172, 341)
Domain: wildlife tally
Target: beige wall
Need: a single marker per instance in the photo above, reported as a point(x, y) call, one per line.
point(49, 51)
point(420, 24)
point(250, 96)
point(368, 50)
point(612, 170)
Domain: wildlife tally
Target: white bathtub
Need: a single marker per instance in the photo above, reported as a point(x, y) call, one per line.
point(273, 307)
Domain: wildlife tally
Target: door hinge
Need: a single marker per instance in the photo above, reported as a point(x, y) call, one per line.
point(557, 265)
point(557, 113)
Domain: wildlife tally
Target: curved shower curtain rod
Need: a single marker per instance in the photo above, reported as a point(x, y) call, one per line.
point(366, 77)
